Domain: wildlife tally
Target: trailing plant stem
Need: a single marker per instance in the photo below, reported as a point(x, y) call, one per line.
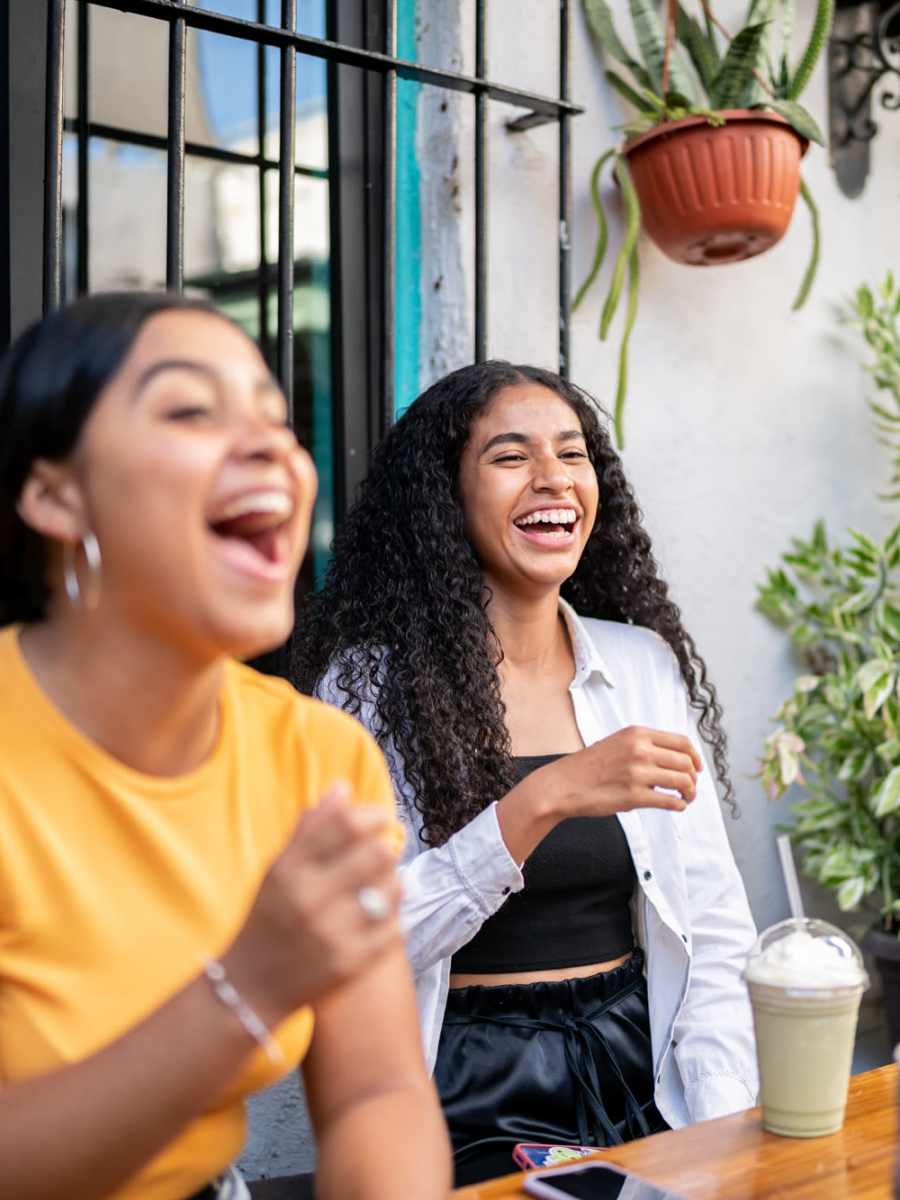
point(817, 39)
point(631, 308)
point(602, 231)
point(813, 266)
point(632, 228)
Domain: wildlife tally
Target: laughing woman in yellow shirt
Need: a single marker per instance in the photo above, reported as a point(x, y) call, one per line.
point(196, 885)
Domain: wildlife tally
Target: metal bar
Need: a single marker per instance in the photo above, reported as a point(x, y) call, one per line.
point(287, 156)
point(6, 199)
point(565, 196)
point(262, 277)
point(130, 137)
point(480, 190)
point(389, 239)
point(336, 205)
point(82, 261)
point(544, 108)
point(225, 283)
point(373, 225)
point(352, 313)
point(56, 33)
point(531, 120)
point(175, 155)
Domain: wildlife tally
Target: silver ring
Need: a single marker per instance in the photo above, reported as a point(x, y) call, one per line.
point(373, 902)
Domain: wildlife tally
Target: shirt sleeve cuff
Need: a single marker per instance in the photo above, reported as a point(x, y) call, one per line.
point(717, 1096)
point(483, 862)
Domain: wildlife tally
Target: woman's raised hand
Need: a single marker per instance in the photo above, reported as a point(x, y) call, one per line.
point(623, 772)
point(633, 768)
point(308, 931)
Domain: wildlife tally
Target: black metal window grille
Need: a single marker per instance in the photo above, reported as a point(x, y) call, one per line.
point(378, 64)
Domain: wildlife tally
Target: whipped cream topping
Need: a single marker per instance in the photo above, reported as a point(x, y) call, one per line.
point(800, 960)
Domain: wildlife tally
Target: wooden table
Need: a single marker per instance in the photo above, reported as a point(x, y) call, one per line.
point(733, 1158)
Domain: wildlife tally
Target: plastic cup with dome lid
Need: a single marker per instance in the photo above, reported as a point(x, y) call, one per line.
point(805, 978)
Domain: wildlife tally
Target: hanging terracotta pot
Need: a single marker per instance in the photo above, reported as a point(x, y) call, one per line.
point(717, 194)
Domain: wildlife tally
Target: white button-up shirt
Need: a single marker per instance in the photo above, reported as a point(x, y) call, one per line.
point(691, 913)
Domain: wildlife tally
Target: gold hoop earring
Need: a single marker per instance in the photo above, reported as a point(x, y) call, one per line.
point(94, 560)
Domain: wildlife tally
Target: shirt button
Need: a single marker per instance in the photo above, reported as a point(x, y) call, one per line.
point(648, 874)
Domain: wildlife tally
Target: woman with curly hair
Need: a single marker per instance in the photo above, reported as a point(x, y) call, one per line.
point(574, 916)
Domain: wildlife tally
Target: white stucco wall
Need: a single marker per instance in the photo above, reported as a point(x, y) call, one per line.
point(744, 422)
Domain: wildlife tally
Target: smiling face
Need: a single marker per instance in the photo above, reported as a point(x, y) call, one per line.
point(528, 490)
point(197, 492)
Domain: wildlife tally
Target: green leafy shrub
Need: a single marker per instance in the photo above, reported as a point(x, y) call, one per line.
point(876, 314)
point(838, 735)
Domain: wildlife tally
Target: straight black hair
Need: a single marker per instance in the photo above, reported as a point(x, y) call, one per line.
point(50, 379)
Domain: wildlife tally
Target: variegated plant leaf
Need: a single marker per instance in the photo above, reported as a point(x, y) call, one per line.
point(797, 116)
point(652, 45)
point(886, 797)
point(703, 51)
point(850, 893)
point(627, 92)
point(601, 24)
point(734, 81)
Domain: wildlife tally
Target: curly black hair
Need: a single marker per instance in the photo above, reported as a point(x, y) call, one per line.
point(401, 620)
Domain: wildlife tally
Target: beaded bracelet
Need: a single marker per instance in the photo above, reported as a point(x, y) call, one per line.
point(233, 1000)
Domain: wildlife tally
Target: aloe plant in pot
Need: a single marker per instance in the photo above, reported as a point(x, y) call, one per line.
point(710, 163)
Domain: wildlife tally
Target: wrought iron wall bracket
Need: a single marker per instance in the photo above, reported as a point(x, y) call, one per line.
point(863, 71)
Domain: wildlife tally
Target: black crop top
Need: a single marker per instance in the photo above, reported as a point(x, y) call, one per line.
point(574, 908)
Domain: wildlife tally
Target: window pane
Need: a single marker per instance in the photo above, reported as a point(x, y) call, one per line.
point(234, 287)
point(222, 245)
point(228, 75)
point(226, 80)
point(127, 89)
point(127, 225)
point(130, 92)
point(310, 13)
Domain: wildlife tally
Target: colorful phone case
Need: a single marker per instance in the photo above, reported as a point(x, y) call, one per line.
point(528, 1155)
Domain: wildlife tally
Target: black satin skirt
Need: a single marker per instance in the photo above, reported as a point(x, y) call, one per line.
point(566, 1062)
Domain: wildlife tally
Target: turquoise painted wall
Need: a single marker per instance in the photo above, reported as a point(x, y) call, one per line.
point(408, 300)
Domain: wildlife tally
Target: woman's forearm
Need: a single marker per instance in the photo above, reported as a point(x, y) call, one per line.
point(526, 815)
point(390, 1144)
point(79, 1132)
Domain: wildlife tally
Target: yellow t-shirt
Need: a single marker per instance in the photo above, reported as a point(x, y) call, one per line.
point(115, 886)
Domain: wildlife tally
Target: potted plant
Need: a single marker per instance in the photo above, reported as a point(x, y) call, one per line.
point(838, 739)
point(710, 162)
point(875, 313)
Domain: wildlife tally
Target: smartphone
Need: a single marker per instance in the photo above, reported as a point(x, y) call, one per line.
point(529, 1155)
point(594, 1181)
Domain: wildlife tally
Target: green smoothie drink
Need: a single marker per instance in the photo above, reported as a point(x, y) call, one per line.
point(805, 978)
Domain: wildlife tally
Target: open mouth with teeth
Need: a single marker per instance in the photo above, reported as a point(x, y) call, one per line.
point(252, 533)
point(549, 526)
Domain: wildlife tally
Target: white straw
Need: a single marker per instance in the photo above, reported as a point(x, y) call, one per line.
point(789, 871)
